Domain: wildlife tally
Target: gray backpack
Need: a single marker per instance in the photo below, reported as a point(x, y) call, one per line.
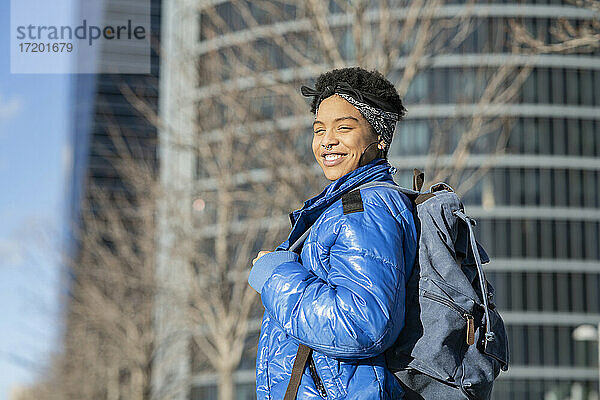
point(453, 344)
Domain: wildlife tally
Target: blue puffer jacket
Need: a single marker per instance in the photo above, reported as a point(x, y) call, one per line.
point(344, 297)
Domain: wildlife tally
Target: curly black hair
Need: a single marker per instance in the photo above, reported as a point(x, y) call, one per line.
point(372, 82)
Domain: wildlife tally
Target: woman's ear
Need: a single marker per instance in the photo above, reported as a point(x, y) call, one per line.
point(382, 147)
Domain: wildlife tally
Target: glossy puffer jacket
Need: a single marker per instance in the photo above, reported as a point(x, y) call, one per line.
point(343, 297)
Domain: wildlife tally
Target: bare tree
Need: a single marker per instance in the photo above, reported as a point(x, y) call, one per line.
point(110, 308)
point(108, 286)
point(566, 36)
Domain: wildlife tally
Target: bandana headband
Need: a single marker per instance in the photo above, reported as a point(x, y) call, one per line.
point(382, 120)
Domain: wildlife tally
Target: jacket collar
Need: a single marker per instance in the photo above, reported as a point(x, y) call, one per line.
point(377, 170)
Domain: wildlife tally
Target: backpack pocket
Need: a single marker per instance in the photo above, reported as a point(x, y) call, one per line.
point(483, 362)
point(498, 347)
point(447, 324)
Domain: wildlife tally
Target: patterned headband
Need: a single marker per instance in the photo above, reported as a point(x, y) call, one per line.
point(382, 121)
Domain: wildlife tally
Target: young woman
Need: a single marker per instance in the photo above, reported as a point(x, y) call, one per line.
point(344, 295)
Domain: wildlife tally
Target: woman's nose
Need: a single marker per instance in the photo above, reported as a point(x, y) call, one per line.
point(329, 139)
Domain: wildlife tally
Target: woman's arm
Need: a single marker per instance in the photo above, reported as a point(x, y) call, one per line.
point(359, 310)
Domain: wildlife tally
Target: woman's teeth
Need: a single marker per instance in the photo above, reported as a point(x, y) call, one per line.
point(331, 157)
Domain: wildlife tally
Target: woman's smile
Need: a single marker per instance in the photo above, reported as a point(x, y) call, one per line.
point(332, 159)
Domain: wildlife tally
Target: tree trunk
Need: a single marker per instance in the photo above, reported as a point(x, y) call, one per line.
point(226, 384)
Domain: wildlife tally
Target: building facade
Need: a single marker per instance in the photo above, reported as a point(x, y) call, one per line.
point(536, 206)
point(99, 108)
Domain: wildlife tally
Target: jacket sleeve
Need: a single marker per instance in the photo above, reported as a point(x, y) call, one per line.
point(358, 311)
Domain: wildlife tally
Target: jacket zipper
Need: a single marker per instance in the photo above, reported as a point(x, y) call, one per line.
point(470, 336)
point(315, 376)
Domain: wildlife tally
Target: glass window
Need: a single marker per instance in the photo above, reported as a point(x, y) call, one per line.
point(592, 299)
point(536, 351)
point(590, 193)
point(559, 145)
point(516, 295)
point(514, 144)
point(558, 92)
point(530, 136)
point(592, 238)
point(248, 360)
point(562, 287)
point(573, 143)
point(545, 187)
point(560, 192)
point(347, 50)
point(421, 138)
point(498, 187)
point(572, 86)
point(234, 21)
point(562, 239)
point(587, 138)
point(544, 139)
point(499, 282)
point(515, 188)
point(529, 88)
point(576, 241)
point(488, 232)
point(542, 29)
point(417, 91)
point(518, 237)
point(246, 391)
point(440, 85)
point(574, 188)
point(596, 84)
point(532, 293)
point(531, 190)
point(481, 32)
point(597, 136)
point(587, 96)
point(204, 393)
point(543, 85)
point(413, 138)
point(546, 242)
point(501, 245)
point(464, 85)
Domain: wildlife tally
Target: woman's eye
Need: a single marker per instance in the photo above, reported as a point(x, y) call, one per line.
point(344, 127)
point(319, 131)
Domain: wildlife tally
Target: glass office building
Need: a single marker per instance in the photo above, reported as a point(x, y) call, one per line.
point(536, 207)
point(98, 106)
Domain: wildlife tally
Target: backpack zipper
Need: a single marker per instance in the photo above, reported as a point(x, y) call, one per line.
point(470, 336)
point(315, 376)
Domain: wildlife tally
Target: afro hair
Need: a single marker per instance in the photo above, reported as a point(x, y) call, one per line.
point(372, 82)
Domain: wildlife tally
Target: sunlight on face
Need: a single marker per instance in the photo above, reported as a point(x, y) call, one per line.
point(339, 125)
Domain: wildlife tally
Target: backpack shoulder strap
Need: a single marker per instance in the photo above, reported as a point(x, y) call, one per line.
point(302, 355)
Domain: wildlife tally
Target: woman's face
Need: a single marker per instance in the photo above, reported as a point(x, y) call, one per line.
point(339, 125)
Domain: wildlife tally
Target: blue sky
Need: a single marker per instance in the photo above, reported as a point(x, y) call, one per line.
point(34, 166)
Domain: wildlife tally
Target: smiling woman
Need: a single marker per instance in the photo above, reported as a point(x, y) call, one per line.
point(336, 302)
